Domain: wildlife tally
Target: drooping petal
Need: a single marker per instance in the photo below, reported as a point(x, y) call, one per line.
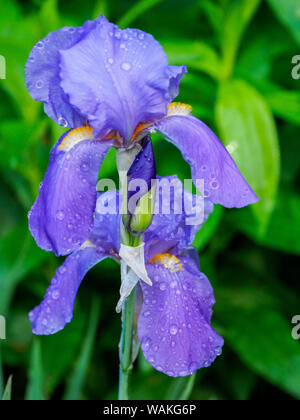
point(112, 73)
point(42, 73)
point(56, 309)
point(174, 325)
point(178, 216)
point(209, 160)
point(62, 216)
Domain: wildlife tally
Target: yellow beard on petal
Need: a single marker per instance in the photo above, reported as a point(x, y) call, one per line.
point(76, 136)
point(177, 108)
point(170, 262)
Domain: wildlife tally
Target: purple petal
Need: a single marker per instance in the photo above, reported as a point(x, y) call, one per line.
point(56, 309)
point(174, 325)
point(112, 73)
point(143, 167)
point(176, 73)
point(171, 228)
point(62, 216)
point(42, 73)
point(209, 160)
point(106, 232)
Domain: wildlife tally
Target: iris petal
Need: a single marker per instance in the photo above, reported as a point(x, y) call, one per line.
point(170, 226)
point(112, 73)
point(56, 309)
point(42, 74)
point(174, 324)
point(62, 216)
point(209, 160)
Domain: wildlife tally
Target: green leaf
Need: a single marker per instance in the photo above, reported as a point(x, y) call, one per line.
point(19, 255)
point(283, 231)
point(208, 229)
point(101, 8)
point(262, 339)
point(66, 343)
point(7, 392)
point(195, 54)
point(138, 9)
point(76, 381)
point(49, 17)
point(288, 13)
point(182, 388)
point(237, 16)
point(249, 132)
point(285, 104)
point(34, 391)
point(214, 14)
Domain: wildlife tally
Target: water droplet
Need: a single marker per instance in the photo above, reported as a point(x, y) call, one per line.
point(173, 329)
point(111, 60)
point(60, 215)
point(84, 167)
point(126, 66)
point(163, 286)
point(214, 185)
point(39, 84)
point(193, 366)
point(62, 122)
point(55, 294)
point(62, 269)
point(146, 343)
point(146, 314)
point(170, 372)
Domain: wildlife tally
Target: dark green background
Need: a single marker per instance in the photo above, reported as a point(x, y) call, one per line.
point(238, 54)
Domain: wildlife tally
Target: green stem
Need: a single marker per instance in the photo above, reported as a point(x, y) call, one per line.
point(127, 326)
point(126, 345)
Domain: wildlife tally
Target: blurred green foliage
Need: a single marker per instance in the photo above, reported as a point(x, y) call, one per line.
point(238, 54)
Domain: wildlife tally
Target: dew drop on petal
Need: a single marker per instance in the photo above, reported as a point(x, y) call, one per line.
point(173, 329)
point(163, 286)
point(60, 215)
point(55, 294)
point(62, 269)
point(62, 122)
point(126, 66)
point(146, 343)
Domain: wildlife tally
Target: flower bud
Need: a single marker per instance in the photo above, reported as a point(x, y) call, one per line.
point(141, 190)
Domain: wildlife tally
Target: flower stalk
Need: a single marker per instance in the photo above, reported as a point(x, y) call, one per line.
point(127, 333)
